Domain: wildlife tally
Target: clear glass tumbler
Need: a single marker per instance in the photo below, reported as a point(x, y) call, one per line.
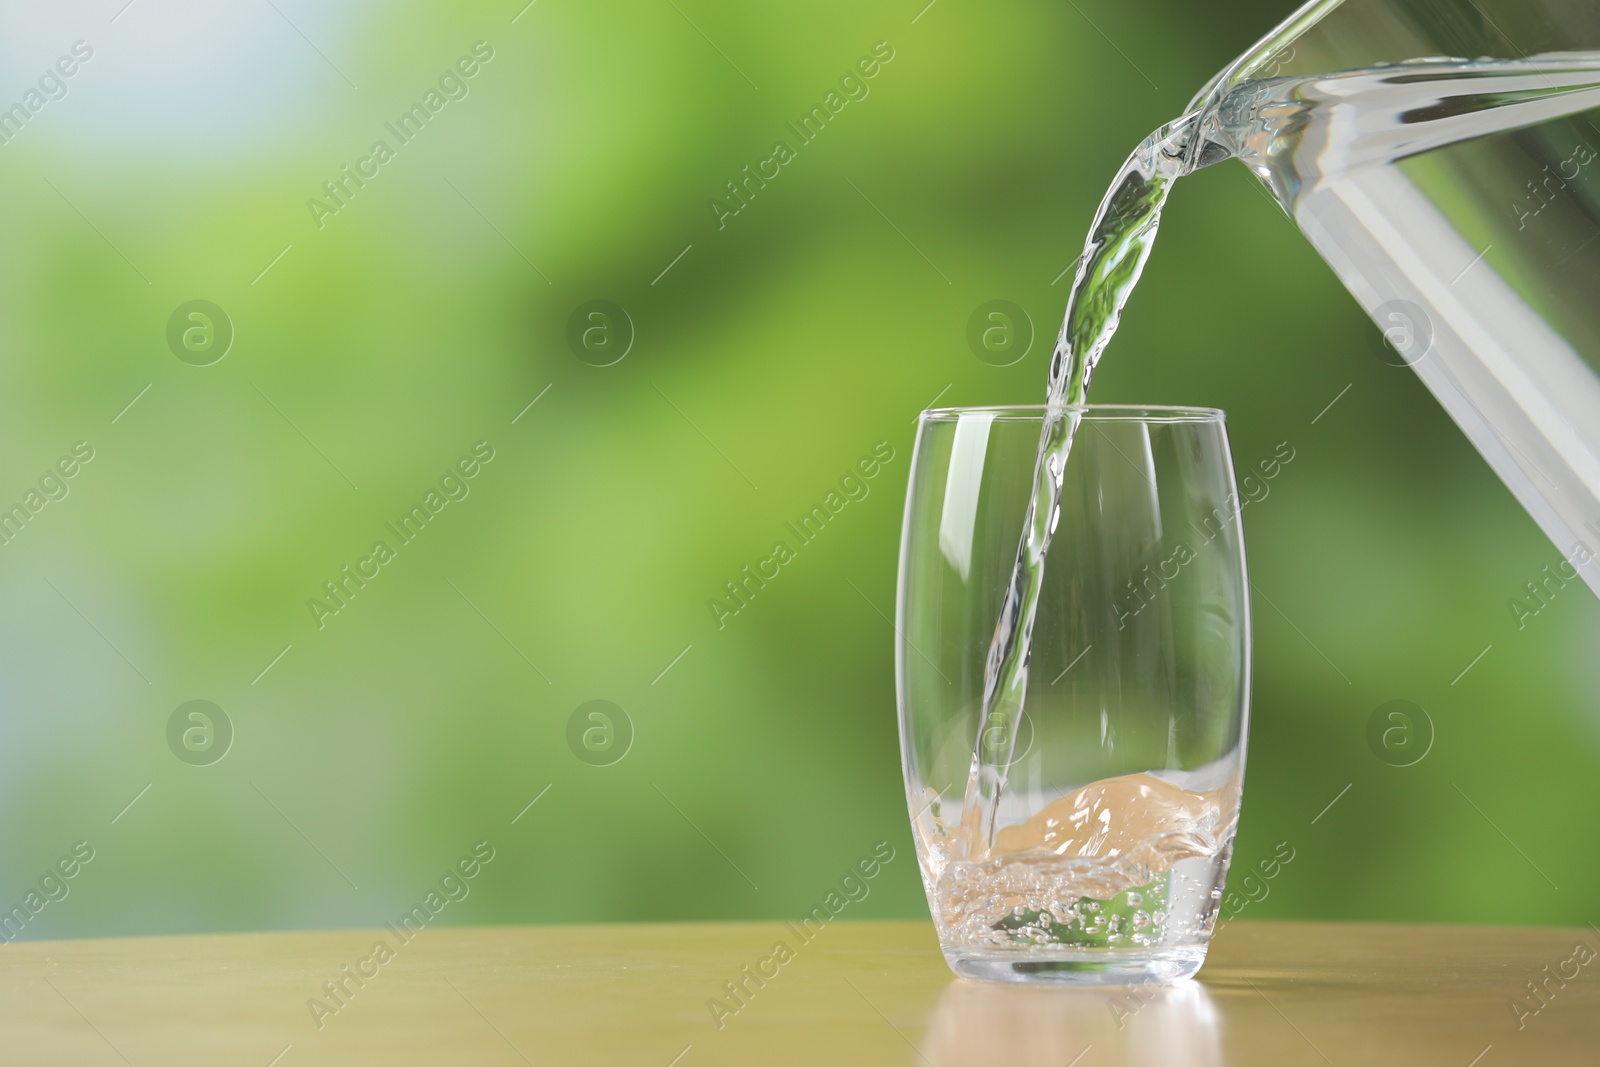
point(1100, 852)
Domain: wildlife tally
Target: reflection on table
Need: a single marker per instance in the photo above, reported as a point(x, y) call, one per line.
point(1160, 1026)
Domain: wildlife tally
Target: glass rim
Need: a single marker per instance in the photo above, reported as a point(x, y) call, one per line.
point(1090, 412)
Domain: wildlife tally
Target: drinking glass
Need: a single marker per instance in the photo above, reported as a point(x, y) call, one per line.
point(1103, 854)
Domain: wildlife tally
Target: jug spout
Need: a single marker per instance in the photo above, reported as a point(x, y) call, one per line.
point(1268, 56)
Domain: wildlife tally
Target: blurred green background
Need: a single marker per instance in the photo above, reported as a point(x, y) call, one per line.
point(769, 354)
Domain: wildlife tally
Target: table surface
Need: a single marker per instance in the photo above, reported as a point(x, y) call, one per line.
point(868, 993)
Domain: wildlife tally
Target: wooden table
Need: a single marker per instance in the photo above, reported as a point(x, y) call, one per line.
point(857, 993)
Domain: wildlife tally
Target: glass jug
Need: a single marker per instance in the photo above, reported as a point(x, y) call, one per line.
point(1459, 201)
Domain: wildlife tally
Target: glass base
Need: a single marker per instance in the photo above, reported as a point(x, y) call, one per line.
point(1076, 966)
